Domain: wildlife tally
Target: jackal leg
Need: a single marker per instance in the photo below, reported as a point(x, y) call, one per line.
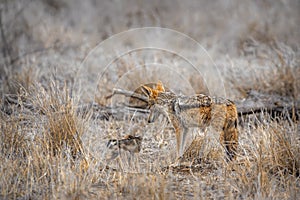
point(183, 142)
point(180, 137)
point(229, 137)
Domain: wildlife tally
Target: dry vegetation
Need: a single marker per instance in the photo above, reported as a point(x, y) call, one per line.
point(52, 147)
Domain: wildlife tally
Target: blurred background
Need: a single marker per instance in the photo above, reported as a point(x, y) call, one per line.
point(58, 34)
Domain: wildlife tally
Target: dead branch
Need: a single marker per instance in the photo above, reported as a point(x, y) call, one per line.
point(273, 104)
point(106, 112)
point(128, 93)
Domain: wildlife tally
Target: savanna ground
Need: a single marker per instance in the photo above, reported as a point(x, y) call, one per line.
point(53, 147)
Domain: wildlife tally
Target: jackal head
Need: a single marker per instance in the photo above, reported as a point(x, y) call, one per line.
point(159, 101)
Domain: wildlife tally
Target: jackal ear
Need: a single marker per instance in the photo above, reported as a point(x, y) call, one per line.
point(160, 87)
point(147, 91)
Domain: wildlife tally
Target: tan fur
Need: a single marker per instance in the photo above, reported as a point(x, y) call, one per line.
point(137, 103)
point(199, 111)
point(191, 154)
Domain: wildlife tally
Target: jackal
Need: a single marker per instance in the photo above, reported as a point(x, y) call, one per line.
point(198, 110)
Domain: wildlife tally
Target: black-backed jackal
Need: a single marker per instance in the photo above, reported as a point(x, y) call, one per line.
point(198, 110)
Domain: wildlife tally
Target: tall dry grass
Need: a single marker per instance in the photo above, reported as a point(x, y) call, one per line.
point(50, 151)
point(40, 146)
point(269, 161)
point(272, 68)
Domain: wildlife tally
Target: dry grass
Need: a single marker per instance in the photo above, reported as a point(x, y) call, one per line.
point(269, 161)
point(49, 150)
point(43, 157)
point(40, 143)
point(63, 127)
point(272, 68)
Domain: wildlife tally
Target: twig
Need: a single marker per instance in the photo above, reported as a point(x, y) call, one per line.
point(128, 93)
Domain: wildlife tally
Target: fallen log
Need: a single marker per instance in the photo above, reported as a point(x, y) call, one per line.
point(254, 103)
point(118, 112)
point(273, 104)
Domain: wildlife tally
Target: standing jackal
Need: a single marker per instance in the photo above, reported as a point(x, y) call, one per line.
point(198, 110)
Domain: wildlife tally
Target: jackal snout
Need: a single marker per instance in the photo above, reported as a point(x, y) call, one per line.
point(151, 119)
